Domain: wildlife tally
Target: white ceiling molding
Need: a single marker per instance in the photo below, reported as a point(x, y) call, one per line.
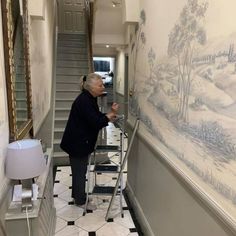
point(131, 11)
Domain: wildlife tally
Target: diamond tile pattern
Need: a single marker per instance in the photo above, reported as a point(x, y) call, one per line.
point(70, 219)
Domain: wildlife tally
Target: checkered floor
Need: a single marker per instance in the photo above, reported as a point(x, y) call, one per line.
point(70, 219)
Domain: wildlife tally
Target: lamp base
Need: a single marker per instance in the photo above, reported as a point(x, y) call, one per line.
point(27, 194)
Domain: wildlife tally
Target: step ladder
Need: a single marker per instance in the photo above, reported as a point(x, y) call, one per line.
point(117, 168)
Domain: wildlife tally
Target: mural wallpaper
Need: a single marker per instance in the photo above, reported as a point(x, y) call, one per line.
point(186, 96)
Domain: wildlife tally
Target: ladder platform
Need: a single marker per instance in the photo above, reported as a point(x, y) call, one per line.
point(108, 148)
point(103, 190)
point(106, 168)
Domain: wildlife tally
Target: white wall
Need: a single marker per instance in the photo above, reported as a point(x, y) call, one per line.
point(41, 56)
point(4, 129)
point(120, 72)
point(186, 139)
point(41, 62)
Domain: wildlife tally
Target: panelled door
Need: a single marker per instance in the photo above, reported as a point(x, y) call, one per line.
point(71, 16)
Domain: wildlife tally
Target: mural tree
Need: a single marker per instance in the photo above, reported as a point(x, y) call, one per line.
point(183, 39)
point(140, 41)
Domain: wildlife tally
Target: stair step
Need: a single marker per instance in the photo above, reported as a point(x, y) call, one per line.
point(64, 103)
point(73, 43)
point(68, 82)
point(64, 99)
point(72, 56)
point(56, 141)
point(107, 148)
point(68, 86)
point(67, 91)
point(60, 118)
point(106, 169)
point(103, 190)
point(59, 130)
point(71, 71)
point(62, 109)
point(56, 145)
point(72, 63)
point(71, 36)
point(58, 133)
point(61, 49)
point(69, 94)
point(68, 78)
point(60, 154)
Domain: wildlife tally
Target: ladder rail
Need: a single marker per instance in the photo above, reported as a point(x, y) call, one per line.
point(121, 169)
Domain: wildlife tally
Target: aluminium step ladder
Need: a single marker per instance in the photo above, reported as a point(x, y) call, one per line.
point(102, 167)
point(113, 168)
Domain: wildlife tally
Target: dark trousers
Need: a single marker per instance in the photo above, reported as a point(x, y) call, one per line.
point(79, 169)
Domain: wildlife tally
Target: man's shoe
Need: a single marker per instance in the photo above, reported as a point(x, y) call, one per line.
point(90, 207)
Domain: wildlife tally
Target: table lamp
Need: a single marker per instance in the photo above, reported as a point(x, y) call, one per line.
point(24, 161)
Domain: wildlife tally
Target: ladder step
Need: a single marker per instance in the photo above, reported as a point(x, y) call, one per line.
point(108, 148)
point(105, 168)
point(103, 190)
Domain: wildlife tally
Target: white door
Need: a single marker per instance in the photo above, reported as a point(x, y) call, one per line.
point(71, 16)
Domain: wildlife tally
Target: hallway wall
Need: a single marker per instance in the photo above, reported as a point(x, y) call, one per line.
point(4, 130)
point(181, 172)
point(41, 55)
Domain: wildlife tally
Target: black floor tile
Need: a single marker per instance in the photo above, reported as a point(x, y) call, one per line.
point(70, 223)
point(132, 230)
point(92, 233)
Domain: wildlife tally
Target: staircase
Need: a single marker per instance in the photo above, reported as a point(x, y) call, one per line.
point(20, 82)
point(72, 62)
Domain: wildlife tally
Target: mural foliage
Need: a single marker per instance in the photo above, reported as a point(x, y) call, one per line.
point(186, 98)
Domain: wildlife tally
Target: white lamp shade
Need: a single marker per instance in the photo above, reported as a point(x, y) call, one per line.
point(25, 159)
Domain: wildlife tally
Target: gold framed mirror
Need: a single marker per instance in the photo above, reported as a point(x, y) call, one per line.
point(17, 67)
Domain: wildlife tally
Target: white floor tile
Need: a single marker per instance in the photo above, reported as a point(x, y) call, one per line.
point(91, 221)
point(126, 221)
point(66, 181)
point(65, 169)
point(69, 231)
point(61, 175)
point(70, 213)
point(112, 229)
point(59, 203)
point(59, 188)
point(66, 195)
point(60, 224)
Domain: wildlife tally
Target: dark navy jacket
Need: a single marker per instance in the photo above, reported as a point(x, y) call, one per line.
point(85, 121)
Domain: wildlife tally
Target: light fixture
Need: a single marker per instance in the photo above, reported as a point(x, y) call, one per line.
point(115, 3)
point(107, 46)
point(24, 161)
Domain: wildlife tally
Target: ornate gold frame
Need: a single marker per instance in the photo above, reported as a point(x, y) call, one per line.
point(27, 127)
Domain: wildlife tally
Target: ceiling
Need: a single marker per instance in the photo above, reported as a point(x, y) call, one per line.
point(108, 27)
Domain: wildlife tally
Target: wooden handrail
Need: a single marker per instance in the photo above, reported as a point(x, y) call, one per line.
point(89, 28)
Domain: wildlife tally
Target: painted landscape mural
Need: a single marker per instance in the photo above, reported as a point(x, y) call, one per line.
point(185, 92)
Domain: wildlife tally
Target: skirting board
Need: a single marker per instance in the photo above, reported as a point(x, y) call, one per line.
point(146, 228)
